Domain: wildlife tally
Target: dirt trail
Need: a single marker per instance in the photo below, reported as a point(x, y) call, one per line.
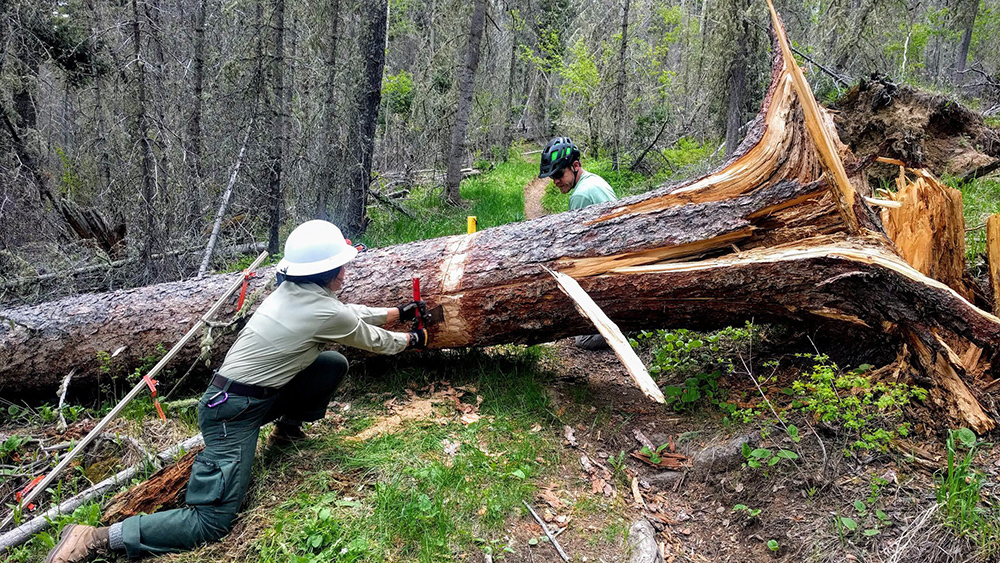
point(533, 192)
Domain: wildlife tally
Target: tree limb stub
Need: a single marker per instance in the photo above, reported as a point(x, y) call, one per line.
point(768, 236)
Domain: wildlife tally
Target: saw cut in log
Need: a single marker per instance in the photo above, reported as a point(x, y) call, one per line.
point(611, 333)
point(768, 236)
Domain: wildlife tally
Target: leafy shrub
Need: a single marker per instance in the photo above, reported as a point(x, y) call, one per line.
point(869, 409)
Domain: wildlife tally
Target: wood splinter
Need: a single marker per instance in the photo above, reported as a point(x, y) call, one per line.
point(611, 333)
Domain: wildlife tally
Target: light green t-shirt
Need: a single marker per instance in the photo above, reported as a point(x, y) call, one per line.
point(293, 325)
point(590, 189)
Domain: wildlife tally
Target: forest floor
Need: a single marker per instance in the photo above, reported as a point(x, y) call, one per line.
point(429, 460)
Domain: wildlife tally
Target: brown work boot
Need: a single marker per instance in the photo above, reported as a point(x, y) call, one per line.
point(79, 543)
point(285, 435)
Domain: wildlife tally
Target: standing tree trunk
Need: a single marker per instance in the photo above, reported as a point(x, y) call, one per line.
point(964, 18)
point(466, 87)
point(620, 90)
point(367, 100)
point(329, 141)
point(193, 148)
point(276, 149)
point(143, 143)
point(508, 124)
point(737, 79)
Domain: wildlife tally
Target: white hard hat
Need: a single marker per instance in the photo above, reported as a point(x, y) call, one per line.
point(315, 247)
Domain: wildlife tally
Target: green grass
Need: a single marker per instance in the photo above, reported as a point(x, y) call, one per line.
point(413, 502)
point(495, 197)
point(980, 199)
point(960, 495)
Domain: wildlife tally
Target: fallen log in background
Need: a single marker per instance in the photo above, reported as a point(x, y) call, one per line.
point(770, 236)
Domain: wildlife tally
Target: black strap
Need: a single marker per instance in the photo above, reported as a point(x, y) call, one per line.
point(243, 389)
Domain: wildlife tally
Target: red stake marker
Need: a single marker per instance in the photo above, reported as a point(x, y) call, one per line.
point(416, 297)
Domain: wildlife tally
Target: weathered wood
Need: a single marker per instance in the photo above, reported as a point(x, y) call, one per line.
point(993, 257)
point(612, 335)
point(164, 489)
point(929, 228)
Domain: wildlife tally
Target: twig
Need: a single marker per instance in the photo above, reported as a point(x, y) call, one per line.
point(182, 379)
point(545, 529)
point(62, 399)
point(392, 204)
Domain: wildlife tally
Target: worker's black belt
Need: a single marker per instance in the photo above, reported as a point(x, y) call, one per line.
point(243, 389)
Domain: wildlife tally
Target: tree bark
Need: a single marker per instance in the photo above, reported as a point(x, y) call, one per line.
point(328, 130)
point(620, 90)
point(367, 100)
point(141, 135)
point(193, 144)
point(770, 237)
point(466, 88)
point(737, 79)
point(277, 146)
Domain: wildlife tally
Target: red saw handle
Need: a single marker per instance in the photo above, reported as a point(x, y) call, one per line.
point(416, 297)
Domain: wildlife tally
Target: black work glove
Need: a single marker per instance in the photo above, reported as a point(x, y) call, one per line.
point(418, 339)
point(408, 312)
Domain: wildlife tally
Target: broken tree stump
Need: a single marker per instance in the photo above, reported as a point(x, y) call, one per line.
point(776, 235)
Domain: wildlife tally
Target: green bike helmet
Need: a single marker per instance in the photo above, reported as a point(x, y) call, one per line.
point(558, 154)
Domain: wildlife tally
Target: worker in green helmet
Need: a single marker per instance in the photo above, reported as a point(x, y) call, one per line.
point(277, 370)
point(561, 162)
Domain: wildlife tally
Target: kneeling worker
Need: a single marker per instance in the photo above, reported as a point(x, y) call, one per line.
point(276, 370)
point(561, 162)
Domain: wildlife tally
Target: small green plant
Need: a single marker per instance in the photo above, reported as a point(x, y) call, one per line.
point(654, 455)
point(773, 545)
point(11, 445)
point(959, 492)
point(764, 457)
point(870, 410)
point(744, 509)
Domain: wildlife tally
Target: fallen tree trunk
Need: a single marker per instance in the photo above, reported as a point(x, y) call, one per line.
point(770, 236)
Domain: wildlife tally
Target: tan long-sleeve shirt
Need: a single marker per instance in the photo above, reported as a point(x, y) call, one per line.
point(293, 325)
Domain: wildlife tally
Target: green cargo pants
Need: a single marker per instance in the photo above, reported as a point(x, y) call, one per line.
point(221, 473)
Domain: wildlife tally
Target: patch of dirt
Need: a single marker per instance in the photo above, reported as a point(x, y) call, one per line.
point(533, 192)
point(415, 407)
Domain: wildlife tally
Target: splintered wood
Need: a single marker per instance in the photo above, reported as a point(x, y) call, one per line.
point(993, 257)
point(610, 331)
point(929, 228)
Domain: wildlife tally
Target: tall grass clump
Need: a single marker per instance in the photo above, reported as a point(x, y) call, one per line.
point(959, 493)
